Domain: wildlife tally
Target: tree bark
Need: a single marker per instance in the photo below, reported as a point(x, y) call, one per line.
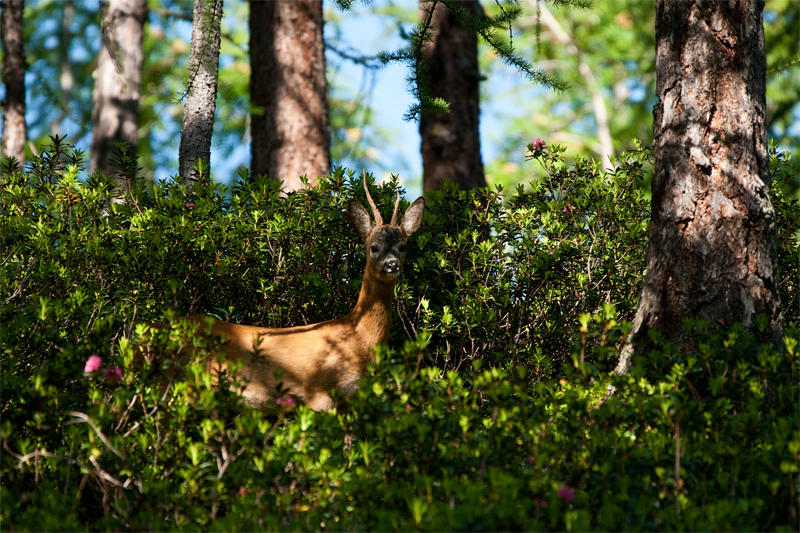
point(711, 253)
point(201, 90)
point(12, 36)
point(451, 146)
point(290, 127)
point(115, 115)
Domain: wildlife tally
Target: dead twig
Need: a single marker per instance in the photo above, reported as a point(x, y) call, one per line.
point(82, 417)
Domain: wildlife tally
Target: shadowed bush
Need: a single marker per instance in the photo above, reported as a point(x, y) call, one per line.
point(488, 410)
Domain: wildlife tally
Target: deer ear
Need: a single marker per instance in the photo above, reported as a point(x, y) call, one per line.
point(413, 217)
point(359, 219)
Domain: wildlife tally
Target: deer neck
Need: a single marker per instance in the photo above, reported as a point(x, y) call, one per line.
point(372, 315)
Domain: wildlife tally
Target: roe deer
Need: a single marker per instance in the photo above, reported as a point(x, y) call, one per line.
point(316, 358)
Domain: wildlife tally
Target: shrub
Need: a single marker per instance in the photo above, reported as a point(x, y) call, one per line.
point(488, 409)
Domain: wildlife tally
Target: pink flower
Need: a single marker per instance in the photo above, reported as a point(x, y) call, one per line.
point(566, 493)
point(538, 144)
point(686, 349)
point(93, 364)
point(531, 459)
point(188, 205)
point(113, 374)
point(569, 208)
point(287, 402)
point(243, 491)
point(540, 502)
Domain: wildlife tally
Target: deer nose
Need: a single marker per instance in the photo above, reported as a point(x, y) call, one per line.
point(391, 266)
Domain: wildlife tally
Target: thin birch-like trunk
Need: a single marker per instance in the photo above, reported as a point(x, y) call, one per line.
point(201, 92)
point(12, 36)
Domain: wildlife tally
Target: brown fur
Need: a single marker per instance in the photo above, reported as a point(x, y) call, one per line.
point(316, 358)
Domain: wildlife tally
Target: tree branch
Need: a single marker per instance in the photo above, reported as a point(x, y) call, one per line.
point(598, 103)
point(81, 417)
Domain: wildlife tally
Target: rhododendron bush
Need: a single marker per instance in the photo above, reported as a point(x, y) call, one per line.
point(489, 409)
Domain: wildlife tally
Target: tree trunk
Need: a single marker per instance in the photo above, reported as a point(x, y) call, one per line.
point(66, 78)
point(12, 36)
point(451, 144)
point(711, 253)
point(115, 115)
point(290, 128)
point(201, 90)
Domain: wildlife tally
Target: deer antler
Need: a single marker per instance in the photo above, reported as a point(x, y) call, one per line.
point(394, 214)
point(375, 212)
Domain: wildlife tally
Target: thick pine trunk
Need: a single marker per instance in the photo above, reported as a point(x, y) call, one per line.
point(290, 128)
point(201, 93)
point(711, 253)
point(11, 33)
point(451, 145)
point(115, 115)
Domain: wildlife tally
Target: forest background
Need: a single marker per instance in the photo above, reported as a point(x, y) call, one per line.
point(615, 41)
point(496, 403)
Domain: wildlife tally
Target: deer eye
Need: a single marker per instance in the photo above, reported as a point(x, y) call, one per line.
point(374, 249)
point(402, 247)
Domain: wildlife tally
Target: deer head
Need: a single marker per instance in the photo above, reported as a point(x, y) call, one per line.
point(385, 243)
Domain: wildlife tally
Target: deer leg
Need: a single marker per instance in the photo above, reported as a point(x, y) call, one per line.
point(320, 401)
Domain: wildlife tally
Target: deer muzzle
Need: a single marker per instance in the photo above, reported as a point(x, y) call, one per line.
point(391, 266)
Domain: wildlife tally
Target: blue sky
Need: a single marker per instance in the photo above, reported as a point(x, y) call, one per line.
point(366, 34)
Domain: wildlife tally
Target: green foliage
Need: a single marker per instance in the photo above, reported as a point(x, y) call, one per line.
point(509, 280)
point(610, 58)
point(488, 410)
point(782, 47)
point(786, 201)
point(609, 54)
point(61, 56)
point(422, 34)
